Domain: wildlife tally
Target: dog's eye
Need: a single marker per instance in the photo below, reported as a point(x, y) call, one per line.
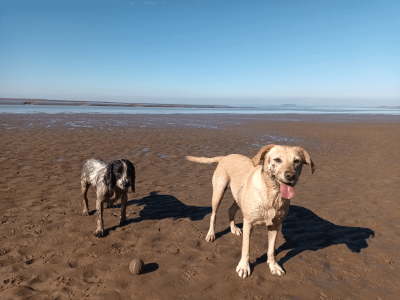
point(278, 160)
point(297, 161)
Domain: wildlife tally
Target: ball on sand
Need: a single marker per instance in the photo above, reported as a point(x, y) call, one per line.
point(136, 266)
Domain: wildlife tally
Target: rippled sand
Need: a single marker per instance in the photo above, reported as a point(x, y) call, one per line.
point(340, 240)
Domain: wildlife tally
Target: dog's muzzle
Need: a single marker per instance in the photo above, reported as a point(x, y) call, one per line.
point(126, 185)
point(290, 176)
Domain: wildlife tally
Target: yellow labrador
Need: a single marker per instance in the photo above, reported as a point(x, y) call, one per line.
point(263, 193)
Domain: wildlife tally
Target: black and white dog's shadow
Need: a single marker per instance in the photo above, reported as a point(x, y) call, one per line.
point(157, 207)
point(304, 230)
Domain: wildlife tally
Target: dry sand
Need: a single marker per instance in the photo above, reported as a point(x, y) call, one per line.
point(340, 240)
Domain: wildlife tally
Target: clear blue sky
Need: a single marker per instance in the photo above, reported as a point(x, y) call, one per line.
point(327, 52)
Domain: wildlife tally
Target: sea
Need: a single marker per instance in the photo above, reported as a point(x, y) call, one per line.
point(86, 109)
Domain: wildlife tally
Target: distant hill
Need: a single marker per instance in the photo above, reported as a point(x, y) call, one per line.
point(29, 101)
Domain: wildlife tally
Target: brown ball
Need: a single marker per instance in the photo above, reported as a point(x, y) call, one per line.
point(136, 266)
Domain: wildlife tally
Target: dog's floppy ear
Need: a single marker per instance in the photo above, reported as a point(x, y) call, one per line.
point(131, 173)
point(261, 154)
point(109, 177)
point(306, 159)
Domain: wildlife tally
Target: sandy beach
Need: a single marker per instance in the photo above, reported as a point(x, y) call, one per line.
point(340, 240)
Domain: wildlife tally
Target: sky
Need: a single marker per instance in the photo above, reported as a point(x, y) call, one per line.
point(319, 52)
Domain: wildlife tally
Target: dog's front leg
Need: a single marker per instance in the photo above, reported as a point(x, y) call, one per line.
point(124, 199)
point(273, 265)
point(100, 224)
point(243, 268)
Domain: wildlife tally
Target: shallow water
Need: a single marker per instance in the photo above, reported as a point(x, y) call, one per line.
point(54, 109)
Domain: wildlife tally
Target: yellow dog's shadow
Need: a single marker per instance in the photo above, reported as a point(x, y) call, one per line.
point(304, 230)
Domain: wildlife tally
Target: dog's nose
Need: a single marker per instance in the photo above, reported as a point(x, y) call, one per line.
point(290, 175)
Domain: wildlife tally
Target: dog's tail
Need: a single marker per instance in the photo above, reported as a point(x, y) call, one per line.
point(205, 160)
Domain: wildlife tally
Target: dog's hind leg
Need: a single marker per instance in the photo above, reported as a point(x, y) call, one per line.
point(84, 187)
point(220, 182)
point(122, 220)
point(232, 212)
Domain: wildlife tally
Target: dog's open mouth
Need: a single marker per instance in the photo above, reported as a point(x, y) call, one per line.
point(287, 190)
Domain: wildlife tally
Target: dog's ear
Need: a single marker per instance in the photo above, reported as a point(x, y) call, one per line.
point(306, 159)
point(109, 177)
point(131, 173)
point(261, 154)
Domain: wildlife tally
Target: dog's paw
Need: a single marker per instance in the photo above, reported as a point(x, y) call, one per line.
point(276, 269)
point(123, 222)
point(236, 230)
point(98, 234)
point(210, 237)
point(243, 269)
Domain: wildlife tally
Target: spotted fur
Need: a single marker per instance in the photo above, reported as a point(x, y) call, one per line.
point(111, 182)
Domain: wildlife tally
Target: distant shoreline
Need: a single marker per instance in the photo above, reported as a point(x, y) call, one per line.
point(29, 105)
point(29, 101)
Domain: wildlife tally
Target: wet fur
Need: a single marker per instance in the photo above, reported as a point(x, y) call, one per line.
point(256, 190)
point(111, 182)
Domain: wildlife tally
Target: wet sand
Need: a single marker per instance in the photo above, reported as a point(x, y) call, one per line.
point(341, 239)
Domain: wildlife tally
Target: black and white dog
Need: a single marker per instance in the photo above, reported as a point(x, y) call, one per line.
point(111, 182)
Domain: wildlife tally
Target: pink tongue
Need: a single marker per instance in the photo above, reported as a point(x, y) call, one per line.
point(286, 191)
